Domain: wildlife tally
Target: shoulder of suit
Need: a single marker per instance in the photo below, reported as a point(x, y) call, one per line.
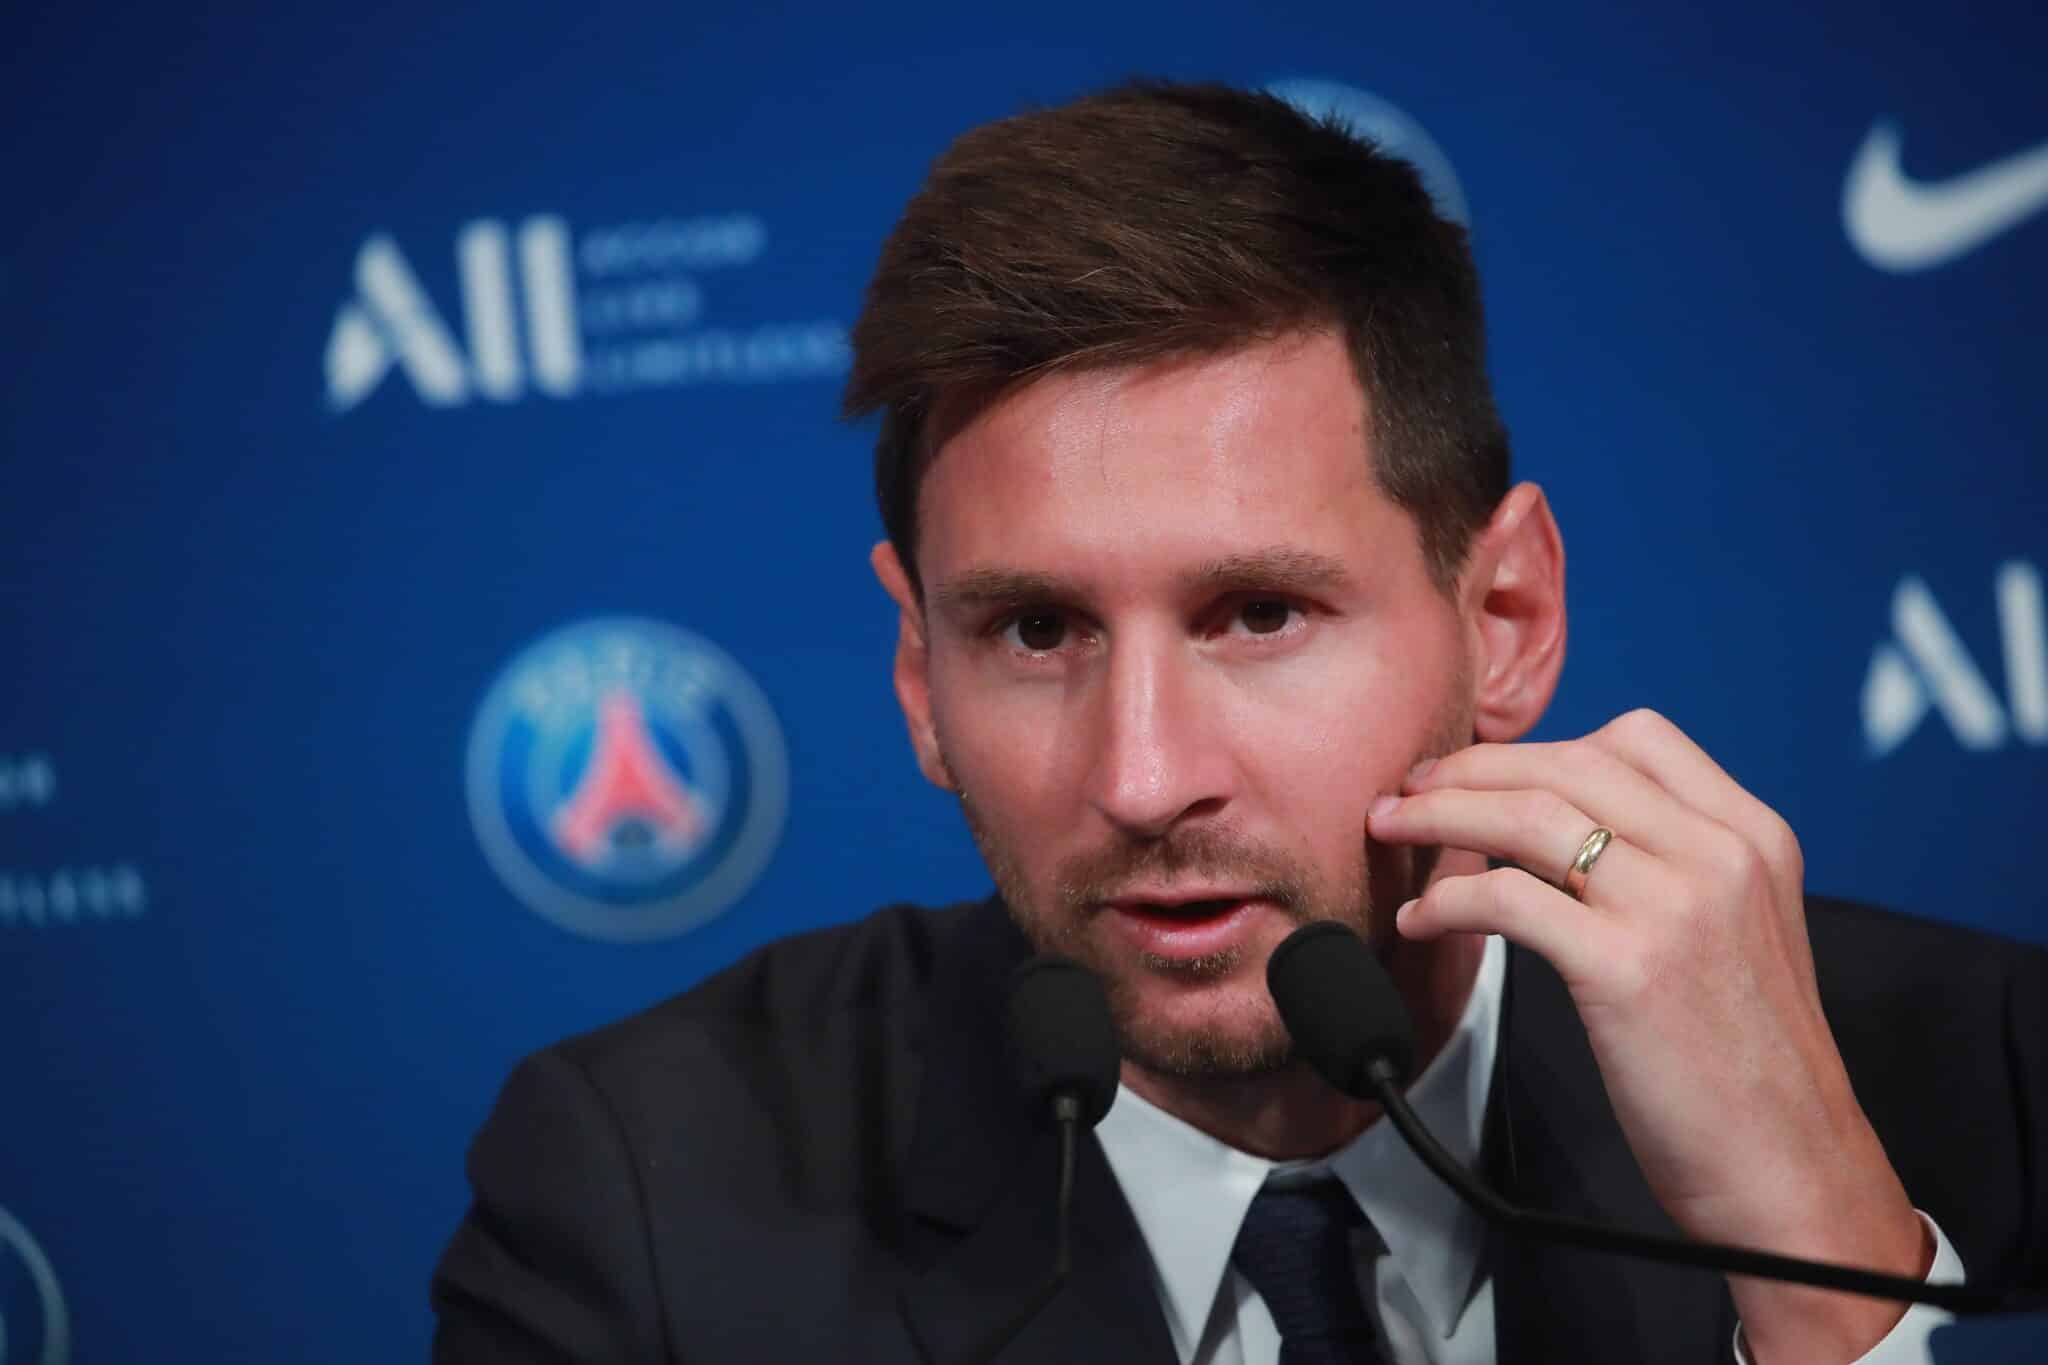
point(881, 964)
point(1861, 949)
point(1904, 995)
point(1941, 1028)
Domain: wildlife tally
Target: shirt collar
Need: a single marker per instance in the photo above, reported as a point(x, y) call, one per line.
point(1189, 1192)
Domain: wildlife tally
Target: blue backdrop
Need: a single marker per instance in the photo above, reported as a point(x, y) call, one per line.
point(418, 439)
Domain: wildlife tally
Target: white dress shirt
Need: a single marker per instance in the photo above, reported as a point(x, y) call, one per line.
point(1419, 1262)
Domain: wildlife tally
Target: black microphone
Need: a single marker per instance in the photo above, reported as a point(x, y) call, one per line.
point(1062, 1040)
point(1349, 1023)
point(1064, 1046)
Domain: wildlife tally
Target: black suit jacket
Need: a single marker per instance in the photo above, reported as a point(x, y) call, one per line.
point(818, 1154)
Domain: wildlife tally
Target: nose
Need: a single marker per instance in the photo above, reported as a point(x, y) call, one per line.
point(1159, 751)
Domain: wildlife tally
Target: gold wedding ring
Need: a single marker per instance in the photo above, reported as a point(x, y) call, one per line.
point(1589, 853)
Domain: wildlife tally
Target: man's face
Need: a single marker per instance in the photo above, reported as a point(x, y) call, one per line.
point(1178, 640)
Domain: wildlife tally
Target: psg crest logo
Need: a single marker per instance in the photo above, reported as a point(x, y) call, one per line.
point(1368, 116)
point(34, 1326)
point(626, 779)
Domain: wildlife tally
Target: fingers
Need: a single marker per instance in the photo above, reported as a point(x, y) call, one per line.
point(1573, 938)
point(1641, 776)
point(1590, 778)
point(1662, 752)
point(1534, 829)
point(1687, 835)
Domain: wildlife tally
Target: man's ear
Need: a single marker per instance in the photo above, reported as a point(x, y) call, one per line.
point(913, 665)
point(1511, 592)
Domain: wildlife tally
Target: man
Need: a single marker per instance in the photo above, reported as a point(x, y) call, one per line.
point(1218, 612)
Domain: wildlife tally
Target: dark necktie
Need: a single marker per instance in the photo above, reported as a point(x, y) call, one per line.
point(1295, 1248)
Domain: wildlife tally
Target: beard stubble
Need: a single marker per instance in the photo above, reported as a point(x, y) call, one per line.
point(1243, 1035)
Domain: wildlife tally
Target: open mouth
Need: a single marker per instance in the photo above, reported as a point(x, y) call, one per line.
point(1180, 911)
point(1185, 930)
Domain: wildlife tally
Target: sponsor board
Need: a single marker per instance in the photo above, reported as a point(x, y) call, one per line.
point(1898, 223)
point(1372, 118)
point(1925, 668)
point(626, 779)
point(35, 1328)
point(548, 311)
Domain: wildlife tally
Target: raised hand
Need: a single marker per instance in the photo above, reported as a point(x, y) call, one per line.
point(1687, 955)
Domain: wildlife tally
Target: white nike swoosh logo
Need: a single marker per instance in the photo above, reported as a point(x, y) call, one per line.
point(1900, 224)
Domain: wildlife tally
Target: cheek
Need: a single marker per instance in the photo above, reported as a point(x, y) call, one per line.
point(1005, 745)
point(1322, 741)
point(1311, 775)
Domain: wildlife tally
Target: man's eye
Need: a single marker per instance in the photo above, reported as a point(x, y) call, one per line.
point(1038, 631)
point(1265, 616)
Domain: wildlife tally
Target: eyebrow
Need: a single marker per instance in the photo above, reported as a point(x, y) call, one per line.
point(1278, 569)
point(1282, 568)
point(976, 588)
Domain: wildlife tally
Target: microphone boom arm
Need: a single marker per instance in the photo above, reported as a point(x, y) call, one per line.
point(1382, 1076)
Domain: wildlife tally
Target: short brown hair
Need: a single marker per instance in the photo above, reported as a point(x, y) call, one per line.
point(1160, 220)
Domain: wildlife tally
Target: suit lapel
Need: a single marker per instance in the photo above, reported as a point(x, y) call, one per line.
point(979, 1190)
point(979, 1228)
point(1554, 1143)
